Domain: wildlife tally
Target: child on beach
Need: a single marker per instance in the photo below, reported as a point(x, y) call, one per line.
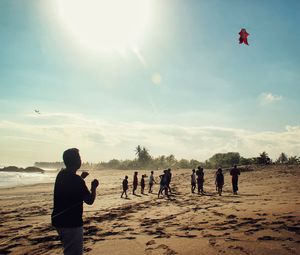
point(219, 181)
point(215, 179)
point(125, 186)
point(168, 179)
point(143, 184)
point(135, 182)
point(235, 172)
point(193, 181)
point(151, 182)
point(200, 180)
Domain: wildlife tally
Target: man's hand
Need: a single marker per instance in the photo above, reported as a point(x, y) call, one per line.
point(84, 174)
point(90, 197)
point(95, 184)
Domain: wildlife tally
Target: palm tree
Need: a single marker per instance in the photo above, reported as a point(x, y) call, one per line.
point(142, 154)
point(138, 150)
point(264, 158)
point(282, 159)
point(293, 160)
point(171, 160)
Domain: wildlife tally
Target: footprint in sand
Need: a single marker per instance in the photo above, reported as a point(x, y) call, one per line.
point(168, 251)
point(43, 239)
point(7, 249)
point(295, 229)
point(87, 249)
point(218, 213)
point(231, 216)
point(240, 248)
point(91, 231)
point(109, 233)
point(151, 242)
point(128, 238)
point(212, 242)
point(186, 235)
point(262, 214)
point(272, 238)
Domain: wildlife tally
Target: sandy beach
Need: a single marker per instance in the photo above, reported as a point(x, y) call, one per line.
point(264, 218)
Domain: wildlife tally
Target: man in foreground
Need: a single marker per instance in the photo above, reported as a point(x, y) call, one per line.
point(70, 191)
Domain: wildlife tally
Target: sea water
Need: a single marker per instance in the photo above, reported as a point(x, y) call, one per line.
point(15, 179)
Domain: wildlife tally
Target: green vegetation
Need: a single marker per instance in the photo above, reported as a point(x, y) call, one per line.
point(144, 160)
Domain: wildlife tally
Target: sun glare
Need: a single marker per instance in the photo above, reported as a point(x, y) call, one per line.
point(105, 24)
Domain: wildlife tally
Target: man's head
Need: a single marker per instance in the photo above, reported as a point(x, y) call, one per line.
point(72, 159)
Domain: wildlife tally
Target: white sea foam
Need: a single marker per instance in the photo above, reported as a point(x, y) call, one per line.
point(14, 179)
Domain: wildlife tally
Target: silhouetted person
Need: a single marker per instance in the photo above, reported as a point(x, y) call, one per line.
point(151, 182)
point(143, 184)
point(125, 186)
point(162, 183)
point(235, 172)
point(193, 181)
point(168, 179)
point(200, 179)
point(215, 179)
point(219, 181)
point(135, 182)
point(70, 191)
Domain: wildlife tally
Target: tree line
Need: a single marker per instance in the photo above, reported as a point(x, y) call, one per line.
point(144, 160)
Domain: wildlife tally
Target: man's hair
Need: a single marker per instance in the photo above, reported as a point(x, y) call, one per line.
point(70, 157)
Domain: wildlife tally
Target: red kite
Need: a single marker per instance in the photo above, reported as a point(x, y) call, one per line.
point(243, 36)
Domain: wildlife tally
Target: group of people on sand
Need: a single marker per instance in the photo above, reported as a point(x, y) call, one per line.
point(219, 180)
point(70, 191)
point(165, 180)
point(197, 180)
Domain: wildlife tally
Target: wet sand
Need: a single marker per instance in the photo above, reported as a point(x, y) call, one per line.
point(264, 218)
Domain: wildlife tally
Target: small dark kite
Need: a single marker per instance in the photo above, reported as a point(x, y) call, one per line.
point(243, 36)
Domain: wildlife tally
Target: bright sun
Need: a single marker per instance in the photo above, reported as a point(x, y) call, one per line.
point(105, 24)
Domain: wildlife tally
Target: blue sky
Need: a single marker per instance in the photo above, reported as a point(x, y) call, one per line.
point(214, 96)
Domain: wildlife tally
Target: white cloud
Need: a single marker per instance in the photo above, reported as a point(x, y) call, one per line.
point(267, 98)
point(44, 137)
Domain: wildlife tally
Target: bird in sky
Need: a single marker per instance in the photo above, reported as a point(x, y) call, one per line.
point(37, 111)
